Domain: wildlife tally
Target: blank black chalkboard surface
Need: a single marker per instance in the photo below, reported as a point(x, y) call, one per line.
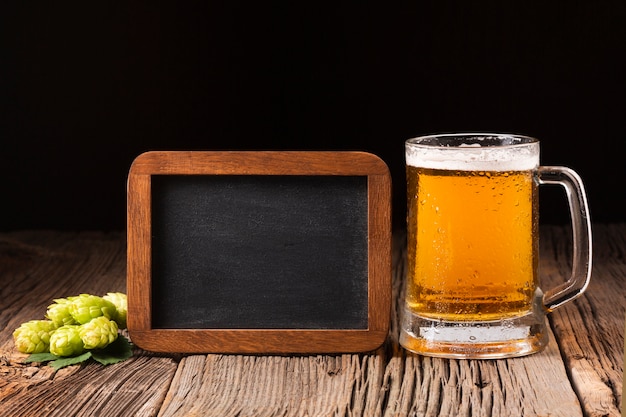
point(259, 251)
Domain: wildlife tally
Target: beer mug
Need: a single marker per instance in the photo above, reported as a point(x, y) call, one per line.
point(472, 288)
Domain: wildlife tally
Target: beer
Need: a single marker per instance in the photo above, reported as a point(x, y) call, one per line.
point(472, 287)
point(472, 251)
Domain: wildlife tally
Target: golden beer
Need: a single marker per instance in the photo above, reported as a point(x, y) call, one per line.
point(472, 247)
point(472, 287)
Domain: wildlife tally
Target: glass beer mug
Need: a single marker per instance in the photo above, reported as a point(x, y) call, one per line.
point(472, 287)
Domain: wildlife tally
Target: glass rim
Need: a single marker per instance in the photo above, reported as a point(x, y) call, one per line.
point(465, 141)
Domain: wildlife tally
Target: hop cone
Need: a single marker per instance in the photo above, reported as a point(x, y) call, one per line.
point(66, 341)
point(98, 333)
point(59, 312)
point(34, 336)
point(121, 305)
point(85, 307)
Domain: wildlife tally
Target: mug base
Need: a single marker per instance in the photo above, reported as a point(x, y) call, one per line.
point(506, 338)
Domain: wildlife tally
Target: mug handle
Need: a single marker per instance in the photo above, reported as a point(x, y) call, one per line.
point(581, 235)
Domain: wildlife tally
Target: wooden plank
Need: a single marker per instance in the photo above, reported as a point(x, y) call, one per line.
point(38, 266)
point(591, 329)
point(234, 385)
point(92, 390)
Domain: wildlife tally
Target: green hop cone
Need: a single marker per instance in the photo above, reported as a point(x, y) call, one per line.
point(59, 312)
point(34, 336)
point(66, 341)
point(121, 305)
point(98, 333)
point(85, 307)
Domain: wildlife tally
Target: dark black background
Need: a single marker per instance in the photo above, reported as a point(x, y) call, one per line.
point(85, 87)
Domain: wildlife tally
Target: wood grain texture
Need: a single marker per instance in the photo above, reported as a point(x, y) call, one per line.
point(258, 163)
point(579, 374)
point(590, 330)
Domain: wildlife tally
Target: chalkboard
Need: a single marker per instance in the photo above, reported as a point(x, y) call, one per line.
point(258, 252)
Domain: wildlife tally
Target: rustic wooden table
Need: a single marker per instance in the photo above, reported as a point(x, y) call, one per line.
point(579, 374)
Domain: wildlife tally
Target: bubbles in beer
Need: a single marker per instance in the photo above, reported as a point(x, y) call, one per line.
point(465, 232)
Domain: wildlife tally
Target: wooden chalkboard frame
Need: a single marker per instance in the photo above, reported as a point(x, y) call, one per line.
point(225, 163)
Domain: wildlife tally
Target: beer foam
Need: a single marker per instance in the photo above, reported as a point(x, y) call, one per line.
point(474, 156)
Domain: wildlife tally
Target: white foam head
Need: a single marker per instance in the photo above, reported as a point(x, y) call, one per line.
point(473, 152)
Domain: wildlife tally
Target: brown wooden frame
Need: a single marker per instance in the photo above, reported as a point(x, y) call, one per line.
point(346, 163)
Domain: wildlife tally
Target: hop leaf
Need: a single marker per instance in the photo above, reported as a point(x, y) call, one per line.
point(121, 305)
point(59, 312)
point(34, 336)
point(70, 360)
point(118, 351)
point(66, 341)
point(98, 333)
point(85, 307)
